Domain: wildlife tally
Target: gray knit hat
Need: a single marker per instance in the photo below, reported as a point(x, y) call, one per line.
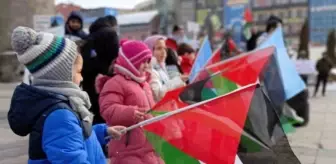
point(46, 56)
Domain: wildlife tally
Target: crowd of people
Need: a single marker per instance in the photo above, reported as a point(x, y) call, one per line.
point(86, 87)
point(121, 81)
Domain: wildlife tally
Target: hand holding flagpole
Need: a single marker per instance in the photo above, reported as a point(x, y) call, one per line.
point(177, 111)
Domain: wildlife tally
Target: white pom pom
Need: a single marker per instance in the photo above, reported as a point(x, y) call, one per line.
point(23, 38)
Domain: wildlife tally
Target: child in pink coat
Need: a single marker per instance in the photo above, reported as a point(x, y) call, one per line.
point(124, 100)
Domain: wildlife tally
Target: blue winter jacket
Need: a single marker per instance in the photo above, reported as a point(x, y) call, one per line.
point(62, 136)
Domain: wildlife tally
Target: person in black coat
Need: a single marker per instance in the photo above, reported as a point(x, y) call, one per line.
point(74, 27)
point(323, 67)
point(99, 51)
point(252, 42)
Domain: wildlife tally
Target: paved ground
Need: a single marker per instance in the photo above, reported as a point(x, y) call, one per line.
point(13, 149)
point(314, 144)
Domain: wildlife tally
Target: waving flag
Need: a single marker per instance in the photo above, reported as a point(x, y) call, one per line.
point(248, 21)
point(258, 65)
point(266, 107)
point(292, 83)
point(237, 118)
point(204, 54)
point(216, 57)
point(208, 133)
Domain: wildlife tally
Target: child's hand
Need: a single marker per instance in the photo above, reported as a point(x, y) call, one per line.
point(139, 116)
point(116, 131)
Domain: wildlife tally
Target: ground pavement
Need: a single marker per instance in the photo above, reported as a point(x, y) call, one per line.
point(314, 144)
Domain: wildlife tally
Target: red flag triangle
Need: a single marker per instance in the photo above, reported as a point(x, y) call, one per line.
point(210, 132)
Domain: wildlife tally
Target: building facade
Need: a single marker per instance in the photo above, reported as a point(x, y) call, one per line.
point(210, 17)
point(322, 18)
point(66, 9)
point(292, 12)
point(138, 25)
point(90, 15)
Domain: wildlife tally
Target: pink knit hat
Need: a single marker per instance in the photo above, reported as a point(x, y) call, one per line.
point(150, 41)
point(131, 55)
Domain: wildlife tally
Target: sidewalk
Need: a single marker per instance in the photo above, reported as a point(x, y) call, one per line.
point(315, 144)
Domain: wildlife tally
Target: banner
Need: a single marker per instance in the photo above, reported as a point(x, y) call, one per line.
point(45, 22)
point(234, 11)
point(322, 18)
point(305, 67)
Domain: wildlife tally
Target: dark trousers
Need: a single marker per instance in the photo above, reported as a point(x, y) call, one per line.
point(321, 78)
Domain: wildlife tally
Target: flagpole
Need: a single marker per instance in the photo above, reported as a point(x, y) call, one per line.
point(177, 111)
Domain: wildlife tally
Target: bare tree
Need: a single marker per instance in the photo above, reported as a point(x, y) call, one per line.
point(304, 39)
point(331, 43)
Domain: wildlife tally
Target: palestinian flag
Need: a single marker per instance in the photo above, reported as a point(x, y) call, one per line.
point(243, 121)
point(216, 57)
point(246, 69)
point(248, 19)
point(207, 133)
point(249, 67)
point(171, 43)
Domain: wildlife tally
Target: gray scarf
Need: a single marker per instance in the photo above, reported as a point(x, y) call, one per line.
point(79, 100)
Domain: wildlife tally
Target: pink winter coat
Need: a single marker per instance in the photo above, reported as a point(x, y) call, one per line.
point(118, 99)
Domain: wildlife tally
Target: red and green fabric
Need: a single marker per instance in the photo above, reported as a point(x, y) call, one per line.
point(238, 118)
point(209, 132)
point(215, 58)
point(248, 19)
point(243, 70)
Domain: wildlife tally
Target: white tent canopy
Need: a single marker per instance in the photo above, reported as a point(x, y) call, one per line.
point(137, 18)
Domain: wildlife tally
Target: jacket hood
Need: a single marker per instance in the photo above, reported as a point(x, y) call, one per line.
point(79, 33)
point(27, 105)
point(101, 81)
point(75, 15)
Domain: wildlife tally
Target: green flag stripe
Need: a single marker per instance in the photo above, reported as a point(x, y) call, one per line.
point(286, 125)
point(169, 153)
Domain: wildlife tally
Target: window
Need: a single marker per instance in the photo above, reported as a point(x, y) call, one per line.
point(282, 2)
point(281, 14)
point(201, 3)
point(260, 17)
point(286, 29)
point(289, 13)
point(213, 3)
point(304, 12)
point(262, 3)
point(299, 13)
point(290, 29)
point(299, 1)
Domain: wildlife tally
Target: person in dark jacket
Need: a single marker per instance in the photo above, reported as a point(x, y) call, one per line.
point(173, 62)
point(252, 42)
point(100, 49)
point(102, 22)
point(54, 111)
point(188, 55)
point(229, 48)
point(272, 24)
point(323, 67)
point(74, 27)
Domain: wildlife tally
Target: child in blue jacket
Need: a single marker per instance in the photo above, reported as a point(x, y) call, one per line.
point(54, 110)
